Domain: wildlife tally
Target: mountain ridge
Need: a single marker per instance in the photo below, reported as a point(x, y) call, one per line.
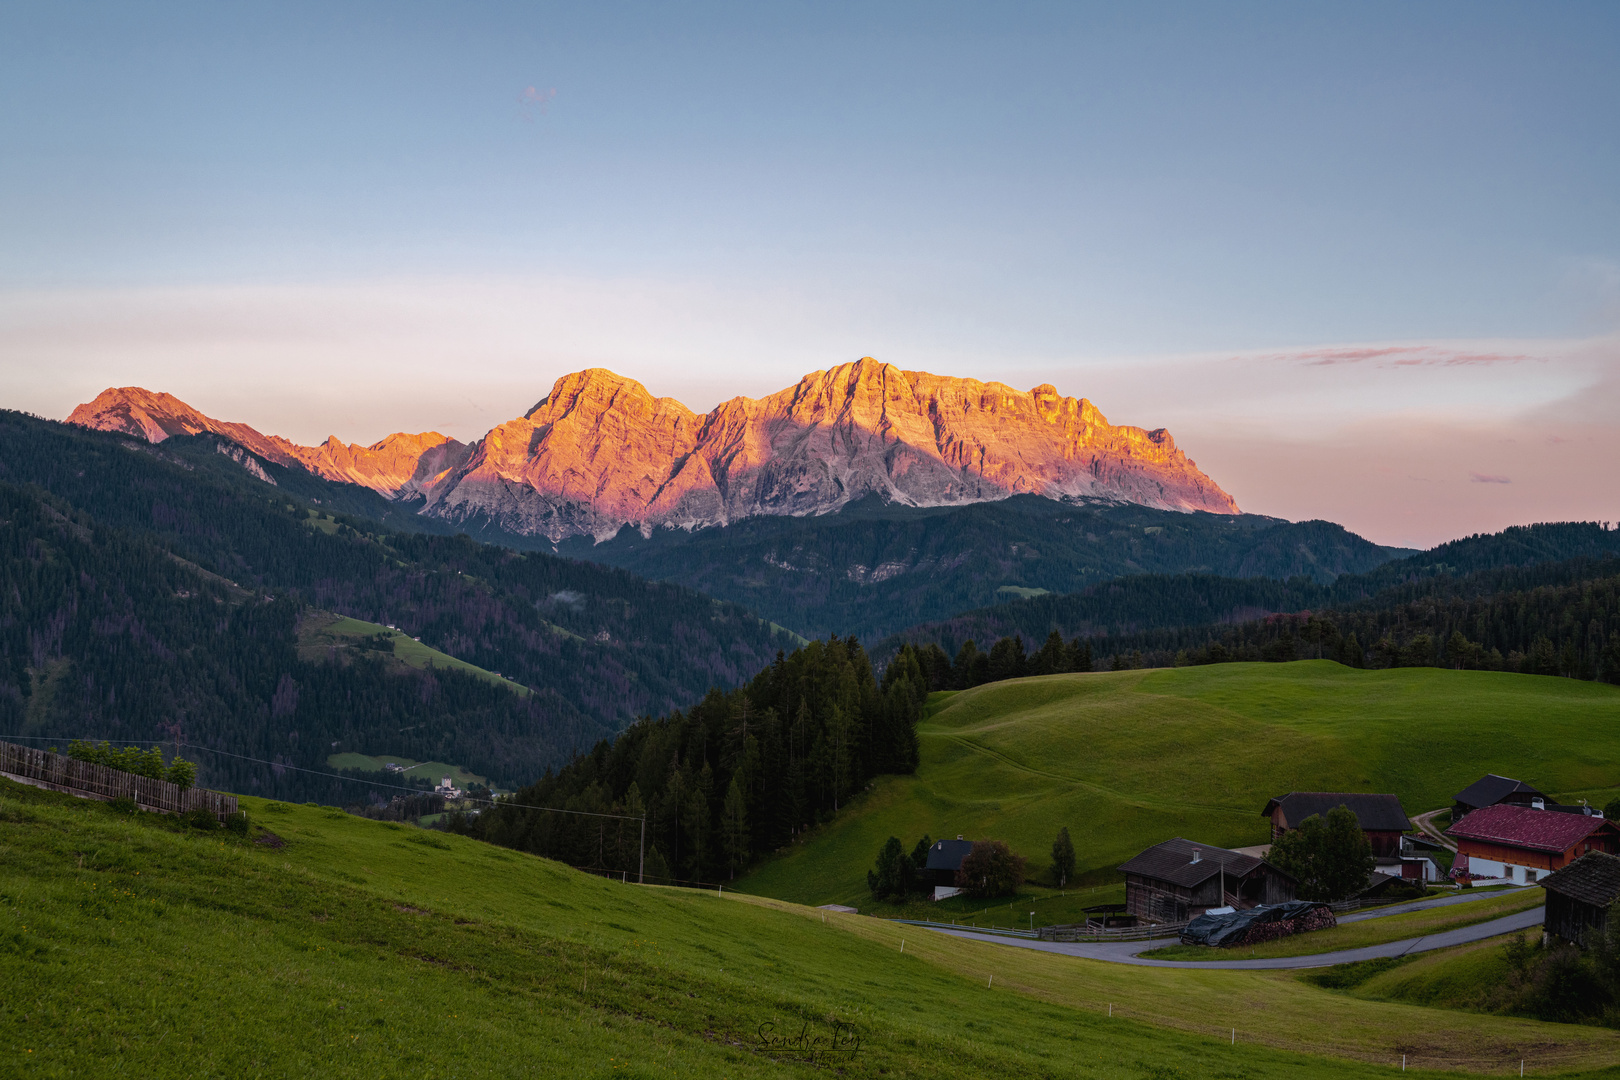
point(600, 452)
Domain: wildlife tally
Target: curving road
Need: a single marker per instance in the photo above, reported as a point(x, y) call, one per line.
point(1125, 952)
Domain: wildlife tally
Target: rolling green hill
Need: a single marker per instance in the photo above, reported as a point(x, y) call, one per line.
point(131, 946)
point(1127, 759)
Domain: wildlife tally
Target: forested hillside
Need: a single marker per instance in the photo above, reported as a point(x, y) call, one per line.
point(734, 777)
point(1555, 617)
point(873, 569)
point(597, 645)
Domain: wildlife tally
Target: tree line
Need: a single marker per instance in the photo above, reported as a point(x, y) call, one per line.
point(739, 775)
point(1556, 619)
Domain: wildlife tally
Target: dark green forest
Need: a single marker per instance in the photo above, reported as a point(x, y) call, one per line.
point(736, 776)
point(873, 569)
point(1521, 557)
point(597, 645)
point(1555, 618)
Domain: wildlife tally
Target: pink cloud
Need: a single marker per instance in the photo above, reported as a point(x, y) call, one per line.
point(1486, 478)
point(1402, 356)
point(533, 98)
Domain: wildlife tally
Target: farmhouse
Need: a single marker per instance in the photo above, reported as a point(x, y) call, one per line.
point(1380, 816)
point(1579, 895)
point(1490, 790)
point(1180, 880)
point(1522, 844)
point(944, 860)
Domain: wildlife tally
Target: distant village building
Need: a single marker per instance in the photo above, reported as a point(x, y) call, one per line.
point(1491, 790)
point(1380, 816)
point(447, 788)
point(1180, 880)
point(944, 860)
point(1522, 844)
point(1579, 897)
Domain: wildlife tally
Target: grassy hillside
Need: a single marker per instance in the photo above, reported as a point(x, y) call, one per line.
point(130, 946)
point(322, 630)
point(1126, 759)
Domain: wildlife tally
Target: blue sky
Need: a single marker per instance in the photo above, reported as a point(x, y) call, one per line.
point(314, 218)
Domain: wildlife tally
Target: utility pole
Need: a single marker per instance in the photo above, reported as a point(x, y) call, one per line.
point(641, 854)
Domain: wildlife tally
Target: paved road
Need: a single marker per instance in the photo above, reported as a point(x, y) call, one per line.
point(1124, 952)
point(1466, 896)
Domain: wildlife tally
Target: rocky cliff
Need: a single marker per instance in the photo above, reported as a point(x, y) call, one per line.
point(600, 452)
point(397, 466)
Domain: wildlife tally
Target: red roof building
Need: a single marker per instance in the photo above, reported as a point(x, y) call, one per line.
point(1523, 844)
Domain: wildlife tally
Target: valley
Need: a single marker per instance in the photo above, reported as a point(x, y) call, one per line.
point(1127, 759)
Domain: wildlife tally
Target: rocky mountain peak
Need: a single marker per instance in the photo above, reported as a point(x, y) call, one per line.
point(600, 452)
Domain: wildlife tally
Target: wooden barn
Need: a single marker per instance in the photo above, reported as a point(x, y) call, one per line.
point(1380, 816)
point(1180, 880)
point(1579, 896)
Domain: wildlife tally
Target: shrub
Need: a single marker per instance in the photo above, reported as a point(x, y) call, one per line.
point(123, 805)
point(990, 869)
point(1329, 856)
point(894, 875)
point(200, 819)
point(1062, 858)
point(238, 823)
point(182, 773)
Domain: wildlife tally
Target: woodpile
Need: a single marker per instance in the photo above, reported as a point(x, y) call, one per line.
point(1319, 917)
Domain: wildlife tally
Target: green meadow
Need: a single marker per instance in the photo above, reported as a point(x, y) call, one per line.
point(133, 946)
point(406, 649)
point(433, 771)
point(1127, 759)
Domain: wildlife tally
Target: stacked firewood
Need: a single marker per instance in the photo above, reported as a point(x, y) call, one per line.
point(1318, 918)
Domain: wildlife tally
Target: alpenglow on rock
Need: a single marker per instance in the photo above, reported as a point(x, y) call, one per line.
point(600, 452)
point(397, 466)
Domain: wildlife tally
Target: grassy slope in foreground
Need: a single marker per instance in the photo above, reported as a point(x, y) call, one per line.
point(1127, 759)
point(131, 947)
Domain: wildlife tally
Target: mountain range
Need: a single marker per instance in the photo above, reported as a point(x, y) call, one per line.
point(600, 453)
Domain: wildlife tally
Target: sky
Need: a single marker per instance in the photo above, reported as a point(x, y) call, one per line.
point(1363, 261)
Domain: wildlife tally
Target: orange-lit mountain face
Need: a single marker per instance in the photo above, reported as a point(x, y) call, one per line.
point(398, 466)
point(600, 452)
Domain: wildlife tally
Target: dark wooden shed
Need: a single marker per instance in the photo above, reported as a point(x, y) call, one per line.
point(1579, 896)
point(1180, 880)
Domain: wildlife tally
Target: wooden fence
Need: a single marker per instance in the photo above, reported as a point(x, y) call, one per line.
point(61, 773)
point(1079, 932)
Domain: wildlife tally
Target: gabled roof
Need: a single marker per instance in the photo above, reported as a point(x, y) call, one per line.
point(1376, 813)
point(948, 854)
point(1491, 789)
point(1172, 861)
point(1525, 827)
point(1594, 878)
